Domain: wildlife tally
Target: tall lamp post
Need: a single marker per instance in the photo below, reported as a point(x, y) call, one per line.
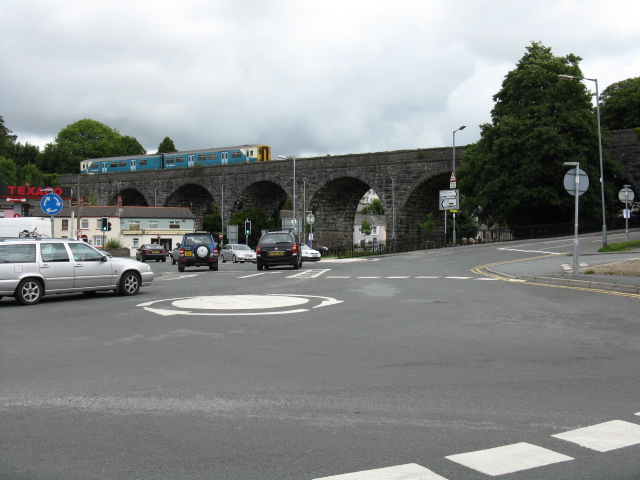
point(604, 214)
point(454, 172)
point(295, 220)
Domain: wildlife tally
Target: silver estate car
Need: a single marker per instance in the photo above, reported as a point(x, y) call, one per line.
point(237, 252)
point(31, 268)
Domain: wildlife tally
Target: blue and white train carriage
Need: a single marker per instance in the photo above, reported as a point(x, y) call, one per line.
point(186, 159)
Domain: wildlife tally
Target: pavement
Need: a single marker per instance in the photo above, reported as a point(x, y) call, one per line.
point(557, 270)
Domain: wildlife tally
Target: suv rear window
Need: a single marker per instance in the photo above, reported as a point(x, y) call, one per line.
point(276, 238)
point(18, 253)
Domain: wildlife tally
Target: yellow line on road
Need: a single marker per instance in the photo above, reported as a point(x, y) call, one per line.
point(481, 270)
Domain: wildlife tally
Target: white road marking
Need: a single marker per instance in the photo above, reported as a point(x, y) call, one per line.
point(425, 276)
point(530, 251)
point(462, 278)
point(239, 302)
point(604, 436)
point(181, 276)
point(309, 273)
point(410, 471)
point(508, 459)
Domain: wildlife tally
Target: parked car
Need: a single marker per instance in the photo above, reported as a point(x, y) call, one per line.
point(175, 254)
point(151, 251)
point(31, 268)
point(278, 247)
point(198, 250)
point(237, 252)
point(309, 254)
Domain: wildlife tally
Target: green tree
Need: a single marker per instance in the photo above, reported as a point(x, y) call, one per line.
point(259, 221)
point(212, 221)
point(131, 146)
point(620, 105)
point(82, 140)
point(513, 176)
point(374, 208)
point(429, 224)
point(6, 139)
point(8, 172)
point(365, 227)
point(166, 146)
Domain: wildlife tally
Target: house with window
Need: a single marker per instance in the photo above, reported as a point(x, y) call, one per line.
point(131, 226)
point(378, 229)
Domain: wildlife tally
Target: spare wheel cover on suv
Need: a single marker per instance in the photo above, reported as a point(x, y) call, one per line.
point(201, 252)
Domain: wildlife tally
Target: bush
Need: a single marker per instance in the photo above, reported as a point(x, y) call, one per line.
point(113, 243)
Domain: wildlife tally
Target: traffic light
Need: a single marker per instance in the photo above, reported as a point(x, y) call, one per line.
point(108, 226)
point(247, 227)
point(105, 224)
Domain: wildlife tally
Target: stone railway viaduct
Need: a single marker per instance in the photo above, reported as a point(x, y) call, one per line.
point(407, 182)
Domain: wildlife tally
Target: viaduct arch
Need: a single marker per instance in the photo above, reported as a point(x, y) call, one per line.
point(406, 181)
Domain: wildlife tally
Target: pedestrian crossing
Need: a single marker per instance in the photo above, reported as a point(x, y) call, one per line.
point(505, 459)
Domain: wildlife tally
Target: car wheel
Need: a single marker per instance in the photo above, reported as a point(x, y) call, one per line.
point(224, 260)
point(260, 266)
point(234, 259)
point(201, 252)
point(157, 259)
point(129, 284)
point(213, 267)
point(180, 268)
point(296, 264)
point(29, 292)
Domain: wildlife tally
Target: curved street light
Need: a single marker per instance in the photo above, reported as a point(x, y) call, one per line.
point(295, 220)
point(454, 172)
point(604, 214)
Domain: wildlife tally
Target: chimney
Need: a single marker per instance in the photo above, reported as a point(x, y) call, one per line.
point(119, 202)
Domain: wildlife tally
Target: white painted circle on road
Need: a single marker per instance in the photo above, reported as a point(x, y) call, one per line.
point(240, 302)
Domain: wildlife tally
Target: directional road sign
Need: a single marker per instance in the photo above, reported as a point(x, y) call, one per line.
point(448, 200)
point(51, 204)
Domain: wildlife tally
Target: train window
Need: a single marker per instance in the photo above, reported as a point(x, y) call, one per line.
point(179, 159)
point(113, 164)
point(122, 164)
point(251, 153)
point(94, 165)
point(143, 162)
point(213, 156)
point(202, 158)
point(169, 160)
point(236, 154)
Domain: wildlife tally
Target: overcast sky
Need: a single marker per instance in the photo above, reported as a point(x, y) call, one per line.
point(306, 77)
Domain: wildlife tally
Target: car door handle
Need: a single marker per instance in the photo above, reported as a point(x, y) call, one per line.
point(78, 265)
point(44, 265)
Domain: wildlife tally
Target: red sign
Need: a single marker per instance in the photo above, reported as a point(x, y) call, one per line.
point(29, 191)
point(220, 236)
point(453, 177)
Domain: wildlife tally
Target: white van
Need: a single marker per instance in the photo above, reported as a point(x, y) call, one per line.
point(11, 227)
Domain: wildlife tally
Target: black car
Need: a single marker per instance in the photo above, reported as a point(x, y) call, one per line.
point(279, 247)
point(198, 250)
point(152, 251)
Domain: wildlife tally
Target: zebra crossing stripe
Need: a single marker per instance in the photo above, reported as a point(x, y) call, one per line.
point(604, 436)
point(410, 471)
point(508, 459)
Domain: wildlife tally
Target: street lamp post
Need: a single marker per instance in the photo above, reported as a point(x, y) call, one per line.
point(295, 220)
point(454, 171)
point(604, 214)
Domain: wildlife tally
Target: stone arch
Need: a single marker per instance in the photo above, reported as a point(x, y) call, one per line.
point(265, 195)
point(421, 201)
point(131, 197)
point(334, 206)
point(193, 196)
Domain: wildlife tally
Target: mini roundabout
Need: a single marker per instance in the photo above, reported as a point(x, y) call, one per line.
point(229, 305)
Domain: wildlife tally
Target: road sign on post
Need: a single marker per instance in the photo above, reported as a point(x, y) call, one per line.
point(626, 195)
point(448, 200)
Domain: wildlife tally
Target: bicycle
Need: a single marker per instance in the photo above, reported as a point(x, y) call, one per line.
point(33, 234)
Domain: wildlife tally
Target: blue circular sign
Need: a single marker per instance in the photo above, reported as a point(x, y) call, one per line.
point(51, 204)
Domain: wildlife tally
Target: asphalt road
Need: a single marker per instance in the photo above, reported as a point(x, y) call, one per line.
point(407, 365)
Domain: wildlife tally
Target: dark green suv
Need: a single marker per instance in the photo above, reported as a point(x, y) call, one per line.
point(198, 250)
point(279, 247)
